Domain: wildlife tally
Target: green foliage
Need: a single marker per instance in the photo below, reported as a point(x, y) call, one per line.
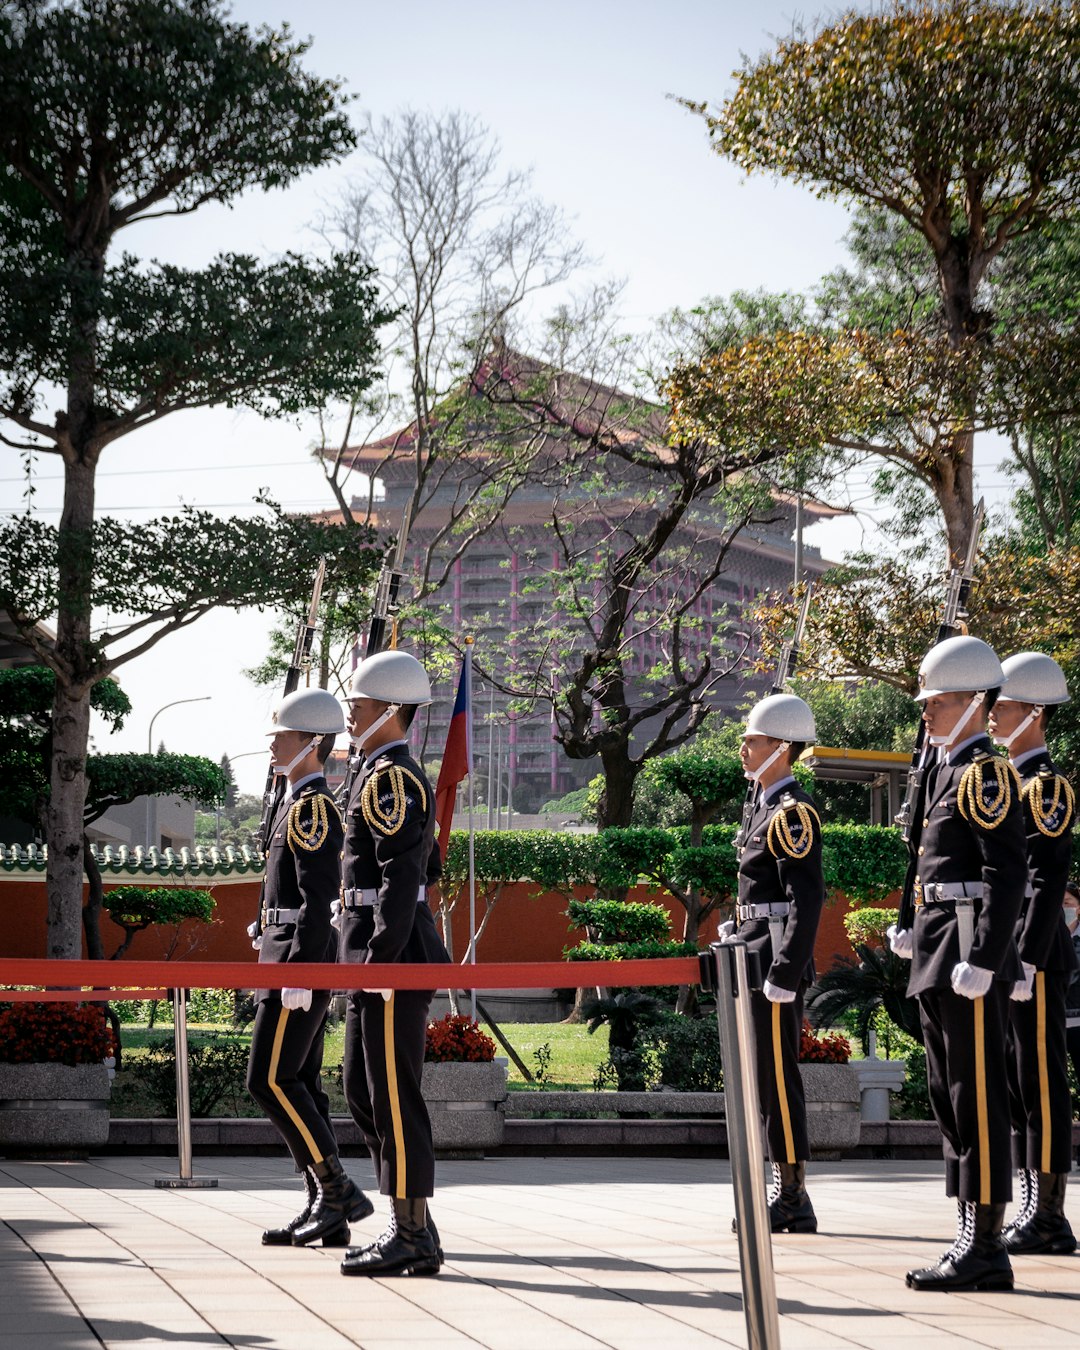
point(134, 906)
point(868, 926)
point(708, 780)
point(217, 1071)
point(569, 802)
point(628, 951)
point(609, 921)
point(857, 989)
point(686, 1052)
point(863, 862)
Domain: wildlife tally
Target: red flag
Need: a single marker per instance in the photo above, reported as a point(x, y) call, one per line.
point(457, 757)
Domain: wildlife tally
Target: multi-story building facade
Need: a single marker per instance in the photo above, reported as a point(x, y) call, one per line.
point(497, 592)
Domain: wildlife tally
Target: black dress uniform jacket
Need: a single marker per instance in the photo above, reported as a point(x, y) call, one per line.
point(303, 858)
point(390, 848)
point(1042, 935)
point(969, 827)
point(781, 863)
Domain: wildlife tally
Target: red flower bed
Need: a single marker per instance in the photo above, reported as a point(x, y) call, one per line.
point(458, 1040)
point(824, 1047)
point(66, 1033)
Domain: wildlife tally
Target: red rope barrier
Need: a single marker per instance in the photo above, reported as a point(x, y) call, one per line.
point(326, 975)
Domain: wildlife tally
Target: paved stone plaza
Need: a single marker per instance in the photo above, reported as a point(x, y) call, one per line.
point(542, 1254)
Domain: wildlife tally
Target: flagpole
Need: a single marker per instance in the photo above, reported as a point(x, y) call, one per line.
point(472, 833)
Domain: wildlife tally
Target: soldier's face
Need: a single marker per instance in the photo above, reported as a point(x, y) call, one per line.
point(755, 750)
point(362, 712)
point(285, 744)
point(941, 712)
point(1006, 715)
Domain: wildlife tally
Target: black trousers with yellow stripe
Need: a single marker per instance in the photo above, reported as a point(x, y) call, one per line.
point(966, 1070)
point(777, 1032)
point(284, 1076)
point(382, 1068)
point(1039, 1097)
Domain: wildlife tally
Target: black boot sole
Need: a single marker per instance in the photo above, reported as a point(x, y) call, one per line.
point(1000, 1282)
point(427, 1265)
point(806, 1225)
point(1061, 1244)
point(362, 1208)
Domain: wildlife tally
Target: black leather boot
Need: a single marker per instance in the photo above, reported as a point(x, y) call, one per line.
point(282, 1237)
point(976, 1260)
point(1028, 1180)
point(790, 1210)
point(338, 1201)
point(407, 1248)
point(1045, 1231)
point(354, 1252)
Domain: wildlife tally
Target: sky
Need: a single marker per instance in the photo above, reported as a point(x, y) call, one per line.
point(577, 92)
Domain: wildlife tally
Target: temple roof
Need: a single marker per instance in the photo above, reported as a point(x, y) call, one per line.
point(121, 861)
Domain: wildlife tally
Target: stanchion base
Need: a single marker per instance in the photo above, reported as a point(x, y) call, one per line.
point(186, 1183)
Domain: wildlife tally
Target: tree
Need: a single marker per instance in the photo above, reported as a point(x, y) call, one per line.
point(26, 696)
point(639, 529)
point(113, 112)
point(961, 118)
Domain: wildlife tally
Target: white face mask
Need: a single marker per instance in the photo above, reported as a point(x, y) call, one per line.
point(1070, 912)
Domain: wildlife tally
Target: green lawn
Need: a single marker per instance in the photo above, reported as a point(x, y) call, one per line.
point(574, 1059)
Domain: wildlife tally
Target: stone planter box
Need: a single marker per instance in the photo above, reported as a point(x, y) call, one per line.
point(466, 1103)
point(832, 1108)
point(53, 1110)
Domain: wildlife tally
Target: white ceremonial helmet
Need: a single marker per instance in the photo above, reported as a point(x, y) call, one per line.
point(315, 711)
point(783, 716)
point(1036, 678)
point(957, 665)
point(391, 677)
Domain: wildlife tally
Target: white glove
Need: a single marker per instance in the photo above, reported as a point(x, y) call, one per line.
point(971, 981)
point(254, 934)
point(337, 915)
point(900, 941)
point(775, 994)
point(726, 930)
point(296, 1000)
point(1022, 990)
point(385, 993)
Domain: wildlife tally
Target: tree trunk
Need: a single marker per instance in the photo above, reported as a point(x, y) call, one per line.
point(71, 711)
point(616, 806)
point(957, 499)
point(95, 895)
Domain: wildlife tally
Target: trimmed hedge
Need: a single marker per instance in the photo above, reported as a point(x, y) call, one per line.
point(863, 862)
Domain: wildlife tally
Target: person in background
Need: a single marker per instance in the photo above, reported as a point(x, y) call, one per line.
point(781, 893)
point(1039, 1097)
point(1071, 912)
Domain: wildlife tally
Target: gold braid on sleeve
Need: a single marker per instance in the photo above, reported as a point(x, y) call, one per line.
point(1044, 812)
point(394, 778)
point(780, 831)
point(311, 837)
point(995, 774)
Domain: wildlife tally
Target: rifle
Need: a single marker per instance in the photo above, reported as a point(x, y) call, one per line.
point(789, 659)
point(384, 609)
point(954, 617)
point(301, 659)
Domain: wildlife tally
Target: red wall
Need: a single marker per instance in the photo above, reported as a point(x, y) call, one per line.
point(522, 927)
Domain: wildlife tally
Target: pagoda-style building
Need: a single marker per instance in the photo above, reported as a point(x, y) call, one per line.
point(558, 432)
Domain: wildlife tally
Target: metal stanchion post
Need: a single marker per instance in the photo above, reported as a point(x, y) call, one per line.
point(744, 1145)
point(183, 1102)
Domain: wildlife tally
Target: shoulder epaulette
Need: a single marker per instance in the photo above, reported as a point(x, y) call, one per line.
point(791, 829)
point(1051, 801)
point(311, 834)
point(392, 781)
point(987, 788)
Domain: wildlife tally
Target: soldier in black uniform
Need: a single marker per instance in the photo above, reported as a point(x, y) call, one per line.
point(970, 872)
point(303, 871)
point(781, 892)
point(1039, 1095)
point(390, 858)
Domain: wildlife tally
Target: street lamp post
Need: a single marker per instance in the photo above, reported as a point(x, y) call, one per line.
point(202, 698)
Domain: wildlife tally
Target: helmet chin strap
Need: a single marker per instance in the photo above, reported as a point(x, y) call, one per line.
point(961, 723)
point(380, 721)
point(283, 770)
point(755, 774)
point(1020, 728)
